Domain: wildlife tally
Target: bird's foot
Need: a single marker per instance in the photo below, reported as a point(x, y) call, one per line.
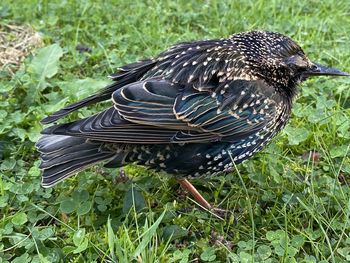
point(218, 212)
point(221, 213)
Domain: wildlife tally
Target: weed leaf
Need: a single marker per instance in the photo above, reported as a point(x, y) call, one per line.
point(45, 64)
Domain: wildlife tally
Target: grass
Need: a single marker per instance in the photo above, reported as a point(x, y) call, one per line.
point(291, 202)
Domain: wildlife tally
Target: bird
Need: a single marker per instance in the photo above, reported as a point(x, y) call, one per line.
point(197, 109)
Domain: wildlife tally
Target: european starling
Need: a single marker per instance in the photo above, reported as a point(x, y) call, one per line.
point(194, 110)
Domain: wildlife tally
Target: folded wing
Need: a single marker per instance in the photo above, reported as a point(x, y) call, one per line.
point(160, 112)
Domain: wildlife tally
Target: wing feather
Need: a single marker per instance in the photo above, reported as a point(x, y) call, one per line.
point(157, 111)
point(126, 74)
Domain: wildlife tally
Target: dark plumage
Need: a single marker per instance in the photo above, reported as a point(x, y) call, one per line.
point(186, 111)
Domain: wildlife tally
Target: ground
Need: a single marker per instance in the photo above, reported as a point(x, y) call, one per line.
point(291, 202)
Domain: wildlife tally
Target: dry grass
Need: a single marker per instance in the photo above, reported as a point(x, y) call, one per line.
point(16, 42)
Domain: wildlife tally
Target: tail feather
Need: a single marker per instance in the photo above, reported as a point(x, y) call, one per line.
point(52, 160)
point(75, 106)
point(63, 156)
point(67, 149)
point(56, 174)
point(126, 75)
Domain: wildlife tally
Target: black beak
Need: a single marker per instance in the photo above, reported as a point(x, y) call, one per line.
point(319, 70)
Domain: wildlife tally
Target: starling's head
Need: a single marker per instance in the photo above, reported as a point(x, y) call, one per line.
point(278, 60)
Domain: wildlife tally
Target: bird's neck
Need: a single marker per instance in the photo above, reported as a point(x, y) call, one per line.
point(281, 81)
point(288, 91)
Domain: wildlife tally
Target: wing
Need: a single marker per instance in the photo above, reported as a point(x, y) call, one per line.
point(125, 75)
point(244, 108)
point(158, 111)
point(203, 64)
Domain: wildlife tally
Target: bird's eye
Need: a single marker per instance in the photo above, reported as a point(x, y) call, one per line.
point(313, 67)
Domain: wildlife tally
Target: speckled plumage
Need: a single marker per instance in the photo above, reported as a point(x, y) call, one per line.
point(186, 112)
